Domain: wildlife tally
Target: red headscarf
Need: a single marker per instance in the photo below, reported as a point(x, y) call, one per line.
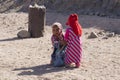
point(74, 24)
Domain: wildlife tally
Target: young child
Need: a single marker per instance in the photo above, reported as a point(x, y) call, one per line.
point(57, 57)
point(73, 38)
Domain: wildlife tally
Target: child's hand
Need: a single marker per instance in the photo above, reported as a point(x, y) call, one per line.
point(63, 42)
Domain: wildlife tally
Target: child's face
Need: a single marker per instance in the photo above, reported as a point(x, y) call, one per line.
point(55, 30)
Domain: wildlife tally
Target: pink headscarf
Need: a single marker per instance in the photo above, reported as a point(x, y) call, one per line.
point(61, 37)
point(59, 26)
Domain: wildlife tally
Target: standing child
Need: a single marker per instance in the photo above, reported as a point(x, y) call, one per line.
point(73, 39)
point(57, 57)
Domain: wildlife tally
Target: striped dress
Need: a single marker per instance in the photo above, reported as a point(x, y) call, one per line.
point(73, 50)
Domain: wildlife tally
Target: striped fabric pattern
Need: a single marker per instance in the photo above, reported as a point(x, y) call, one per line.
point(73, 51)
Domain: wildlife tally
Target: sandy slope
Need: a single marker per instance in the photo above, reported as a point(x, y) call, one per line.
point(28, 59)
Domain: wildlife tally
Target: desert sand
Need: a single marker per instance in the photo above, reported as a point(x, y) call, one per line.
point(28, 59)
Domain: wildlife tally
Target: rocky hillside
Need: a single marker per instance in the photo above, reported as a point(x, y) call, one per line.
point(108, 8)
point(90, 7)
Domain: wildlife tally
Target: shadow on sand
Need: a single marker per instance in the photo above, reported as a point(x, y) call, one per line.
point(12, 39)
point(40, 70)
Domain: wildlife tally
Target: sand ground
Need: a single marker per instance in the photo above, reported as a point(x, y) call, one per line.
point(28, 59)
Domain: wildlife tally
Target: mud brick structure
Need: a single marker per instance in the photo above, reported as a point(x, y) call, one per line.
point(37, 20)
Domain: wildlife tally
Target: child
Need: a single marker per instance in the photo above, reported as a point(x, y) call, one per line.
point(73, 39)
point(57, 57)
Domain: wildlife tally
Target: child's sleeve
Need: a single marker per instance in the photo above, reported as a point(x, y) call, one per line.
point(52, 40)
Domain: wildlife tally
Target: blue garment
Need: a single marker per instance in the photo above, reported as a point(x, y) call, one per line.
point(56, 46)
point(58, 56)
